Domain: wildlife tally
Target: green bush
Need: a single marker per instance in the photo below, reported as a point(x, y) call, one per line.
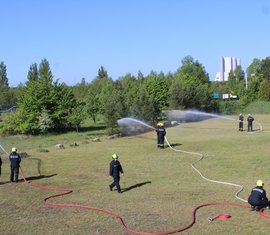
point(258, 107)
point(230, 107)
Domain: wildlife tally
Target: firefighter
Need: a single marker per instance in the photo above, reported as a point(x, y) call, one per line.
point(257, 198)
point(114, 172)
point(15, 160)
point(241, 121)
point(161, 132)
point(250, 120)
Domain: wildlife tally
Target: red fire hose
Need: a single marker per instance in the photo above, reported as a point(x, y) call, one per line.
point(120, 219)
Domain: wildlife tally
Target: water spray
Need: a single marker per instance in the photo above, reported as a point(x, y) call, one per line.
point(4, 149)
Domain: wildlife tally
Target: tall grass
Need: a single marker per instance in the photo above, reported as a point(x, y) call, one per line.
point(160, 188)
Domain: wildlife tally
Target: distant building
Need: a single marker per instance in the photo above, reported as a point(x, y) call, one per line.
point(227, 64)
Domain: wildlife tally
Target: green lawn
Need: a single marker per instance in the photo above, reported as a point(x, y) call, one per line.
point(162, 189)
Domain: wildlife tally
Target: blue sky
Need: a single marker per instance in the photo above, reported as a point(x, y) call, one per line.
point(77, 37)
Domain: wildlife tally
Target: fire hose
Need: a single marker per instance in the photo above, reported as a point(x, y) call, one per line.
point(64, 191)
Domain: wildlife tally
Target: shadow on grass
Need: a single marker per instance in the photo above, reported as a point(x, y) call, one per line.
point(254, 130)
point(4, 182)
point(173, 145)
point(135, 186)
point(38, 177)
point(31, 178)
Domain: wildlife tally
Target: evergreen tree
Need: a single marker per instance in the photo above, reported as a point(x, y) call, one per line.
point(43, 106)
point(33, 73)
point(5, 96)
point(97, 95)
point(3, 77)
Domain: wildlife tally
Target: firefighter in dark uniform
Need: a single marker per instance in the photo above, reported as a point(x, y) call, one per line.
point(161, 132)
point(250, 120)
point(241, 121)
point(15, 160)
point(114, 172)
point(257, 198)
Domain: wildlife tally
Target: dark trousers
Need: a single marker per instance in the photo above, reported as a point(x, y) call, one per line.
point(249, 127)
point(160, 141)
point(240, 126)
point(116, 180)
point(261, 204)
point(14, 171)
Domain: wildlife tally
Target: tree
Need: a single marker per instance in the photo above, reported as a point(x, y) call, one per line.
point(98, 91)
point(128, 86)
point(193, 71)
point(4, 87)
point(186, 90)
point(158, 86)
point(253, 68)
point(140, 76)
point(77, 115)
point(102, 73)
point(44, 105)
point(264, 70)
point(3, 76)
point(264, 90)
point(145, 107)
point(45, 122)
point(176, 92)
point(63, 105)
point(251, 93)
point(232, 82)
point(92, 103)
point(33, 74)
point(80, 90)
point(239, 74)
point(113, 110)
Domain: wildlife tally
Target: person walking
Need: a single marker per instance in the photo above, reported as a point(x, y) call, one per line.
point(250, 120)
point(161, 132)
point(114, 172)
point(15, 160)
point(257, 198)
point(241, 121)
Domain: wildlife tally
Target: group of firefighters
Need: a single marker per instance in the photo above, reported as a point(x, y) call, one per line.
point(257, 199)
point(250, 120)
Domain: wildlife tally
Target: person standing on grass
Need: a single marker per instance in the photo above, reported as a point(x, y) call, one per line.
point(114, 172)
point(161, 132)
point(257, 198)
point(250, 120)
point(15, 160)
point(241, 121)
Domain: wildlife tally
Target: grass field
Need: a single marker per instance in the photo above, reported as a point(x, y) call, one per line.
point(161, 189)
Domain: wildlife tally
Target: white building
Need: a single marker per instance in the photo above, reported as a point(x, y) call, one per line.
point(227, 64)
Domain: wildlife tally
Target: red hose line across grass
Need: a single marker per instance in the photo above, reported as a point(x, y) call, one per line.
point(118, 217)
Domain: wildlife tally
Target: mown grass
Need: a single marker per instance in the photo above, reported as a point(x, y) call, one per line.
point(161, 189)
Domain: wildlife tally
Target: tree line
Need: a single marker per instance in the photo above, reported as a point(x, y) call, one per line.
point(44, 105)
